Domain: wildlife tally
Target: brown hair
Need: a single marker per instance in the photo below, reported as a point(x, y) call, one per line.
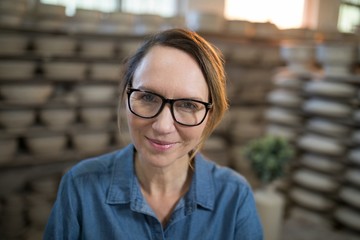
point(209, 59)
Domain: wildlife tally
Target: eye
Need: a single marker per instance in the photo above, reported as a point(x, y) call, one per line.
point(148, 97)
point(188, 105)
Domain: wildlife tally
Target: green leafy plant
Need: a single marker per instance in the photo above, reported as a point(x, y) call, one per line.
point(268, 156)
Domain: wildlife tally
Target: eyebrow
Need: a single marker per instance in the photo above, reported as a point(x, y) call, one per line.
point(144, 88)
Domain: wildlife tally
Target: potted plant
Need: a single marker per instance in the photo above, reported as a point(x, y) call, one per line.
point(268, 158)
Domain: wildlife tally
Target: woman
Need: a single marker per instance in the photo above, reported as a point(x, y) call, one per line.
point(160, 187)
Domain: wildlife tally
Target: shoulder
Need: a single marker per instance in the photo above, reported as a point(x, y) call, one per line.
point(224, 177)
point(98, 165)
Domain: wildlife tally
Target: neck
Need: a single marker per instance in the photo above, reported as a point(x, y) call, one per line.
point(166, 181)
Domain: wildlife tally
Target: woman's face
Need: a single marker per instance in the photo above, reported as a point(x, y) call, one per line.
point(173, 74)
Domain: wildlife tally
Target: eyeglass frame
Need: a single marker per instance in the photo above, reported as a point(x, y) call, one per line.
point(170, 101)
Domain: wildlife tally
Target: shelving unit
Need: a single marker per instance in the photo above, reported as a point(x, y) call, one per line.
point(323, 136)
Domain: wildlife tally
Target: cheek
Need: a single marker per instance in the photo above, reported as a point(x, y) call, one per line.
point(192, 134)
point(132, 121)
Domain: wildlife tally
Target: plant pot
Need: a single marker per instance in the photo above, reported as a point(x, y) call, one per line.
point(270, 206)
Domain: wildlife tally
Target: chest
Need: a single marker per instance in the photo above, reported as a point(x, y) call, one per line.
point(185, 223)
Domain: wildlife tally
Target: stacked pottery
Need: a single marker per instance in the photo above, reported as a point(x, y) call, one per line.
point(49, 46)
point(64, 70)
point(203, 21)
point(348, 211)
point(299, 56)
point(105, 71)
point(97, 48)
point(337, 105)
point(118, 23)
point(97, 117)
point(90, 141)
point(13, 44)
point(337, 59)
point(46, 143)
point(323, 145)
point(147, 23)
point(86, 21)
point(312, 188)
point(12, 13)
point(50, 17)
point(283, 116)
point(330, 144)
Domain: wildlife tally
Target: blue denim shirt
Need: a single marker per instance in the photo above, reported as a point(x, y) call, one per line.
point(100, 198)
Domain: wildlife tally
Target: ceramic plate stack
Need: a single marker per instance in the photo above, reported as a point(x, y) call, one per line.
point(118, 23)
point(13, 44)
point(46, 143)
point(336, 59)
point(97, 92)
point(17, 69)
point(50, 46)
point(314, 191)
point(64, 70)
point(348, 212)
point(97, 117)
point(50, 17)
point(147, 23)
point(97, 48)
point(266, 30)
point(57, 118)
point(330, 140)
point(283, 116)
point(299, 57)
point(88, 141)
point(12, 12)
point(348, 217)
point(26, 92)
point(105, 71)
point(86, 21)
point(240, 27)
point(327, 124)
point(205, 21)
point(245, 54)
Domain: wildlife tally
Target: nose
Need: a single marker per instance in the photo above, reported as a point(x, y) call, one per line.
point(164, 122)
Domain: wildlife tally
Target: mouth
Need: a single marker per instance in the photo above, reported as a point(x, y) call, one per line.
point(161, 145)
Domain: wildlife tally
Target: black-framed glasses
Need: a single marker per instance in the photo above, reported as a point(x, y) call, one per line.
point(187, 112)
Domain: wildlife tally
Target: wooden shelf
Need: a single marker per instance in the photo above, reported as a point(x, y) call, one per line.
point(69, 130)
point(27, 160)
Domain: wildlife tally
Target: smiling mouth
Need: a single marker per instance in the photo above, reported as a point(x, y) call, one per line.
point(161, 145)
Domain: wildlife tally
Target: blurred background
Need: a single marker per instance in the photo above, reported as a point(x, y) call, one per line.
point(293, 71)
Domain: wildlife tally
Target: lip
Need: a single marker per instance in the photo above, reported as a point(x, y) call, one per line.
point(161, 145)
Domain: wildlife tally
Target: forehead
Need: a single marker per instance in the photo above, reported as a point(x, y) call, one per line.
point(171, 72)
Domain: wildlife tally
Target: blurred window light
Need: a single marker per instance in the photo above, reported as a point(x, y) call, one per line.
point(165, 8)
point(71, 5)
point(283, 13)
point(349, 16)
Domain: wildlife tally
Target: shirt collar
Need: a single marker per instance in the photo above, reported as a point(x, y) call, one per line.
point(201, 192)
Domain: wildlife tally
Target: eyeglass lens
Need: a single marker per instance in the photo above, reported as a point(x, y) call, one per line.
point(184, 111)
